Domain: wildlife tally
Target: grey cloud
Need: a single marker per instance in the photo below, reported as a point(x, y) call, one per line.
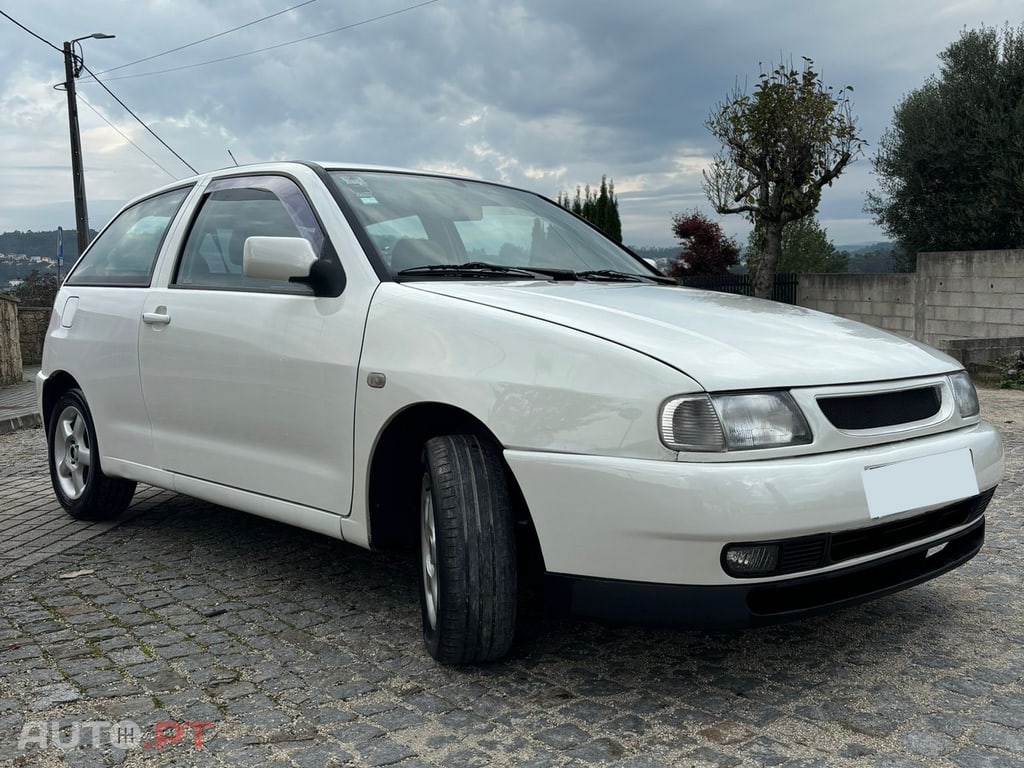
point(540, 93)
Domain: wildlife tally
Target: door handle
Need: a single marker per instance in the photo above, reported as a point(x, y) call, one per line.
point(156, 318)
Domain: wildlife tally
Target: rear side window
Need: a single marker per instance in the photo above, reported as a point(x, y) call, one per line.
point(125, 252)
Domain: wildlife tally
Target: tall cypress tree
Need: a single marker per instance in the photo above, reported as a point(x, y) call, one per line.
point(600, 207)
point(613, 225)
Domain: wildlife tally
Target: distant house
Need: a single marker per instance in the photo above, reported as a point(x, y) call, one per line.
point(14, 283)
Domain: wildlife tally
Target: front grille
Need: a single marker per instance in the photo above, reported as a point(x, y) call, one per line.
point(867, 541)
point(883, 409)
point(803, 554)
point(808, 553)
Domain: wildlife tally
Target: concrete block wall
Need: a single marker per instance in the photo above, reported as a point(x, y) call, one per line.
point(971, 295)
point(972, 351)
point(32, 322)
point(952, 296)
point(10, 348)
point(886, 300)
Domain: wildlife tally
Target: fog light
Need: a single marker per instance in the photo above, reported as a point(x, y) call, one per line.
point(751, 559)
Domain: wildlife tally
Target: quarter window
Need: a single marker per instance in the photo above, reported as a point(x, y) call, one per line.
point(125, 252)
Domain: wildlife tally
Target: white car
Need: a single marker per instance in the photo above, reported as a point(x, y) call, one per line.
point(394, 357)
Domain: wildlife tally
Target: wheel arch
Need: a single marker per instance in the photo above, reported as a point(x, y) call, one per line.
point(56, 384)
point(394, 472)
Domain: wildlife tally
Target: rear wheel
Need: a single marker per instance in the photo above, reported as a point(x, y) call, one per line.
point(467, 551)
point(78, 480)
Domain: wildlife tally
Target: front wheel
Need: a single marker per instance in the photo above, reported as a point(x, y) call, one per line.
point(81, 487)
point(467, 551)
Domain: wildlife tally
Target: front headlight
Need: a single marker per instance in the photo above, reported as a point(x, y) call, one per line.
point(737, 422)
point(965, 394)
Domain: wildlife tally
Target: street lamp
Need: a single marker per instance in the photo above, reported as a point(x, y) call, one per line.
point(72, 68)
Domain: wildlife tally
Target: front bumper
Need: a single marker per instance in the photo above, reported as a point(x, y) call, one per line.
point(745, 604)
point(659, 522)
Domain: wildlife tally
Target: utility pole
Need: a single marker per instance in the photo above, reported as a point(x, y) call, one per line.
point(71, 70)
point(77, 172)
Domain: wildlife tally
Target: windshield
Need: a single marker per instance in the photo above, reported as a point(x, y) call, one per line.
point(418, 224)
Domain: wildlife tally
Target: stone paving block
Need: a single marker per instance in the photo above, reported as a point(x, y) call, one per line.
point(303, 651)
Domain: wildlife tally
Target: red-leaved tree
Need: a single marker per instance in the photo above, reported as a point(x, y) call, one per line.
point(706, 249)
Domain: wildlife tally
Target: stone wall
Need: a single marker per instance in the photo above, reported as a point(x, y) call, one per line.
point(33, 322)
point(10, 348)
point(953, 297)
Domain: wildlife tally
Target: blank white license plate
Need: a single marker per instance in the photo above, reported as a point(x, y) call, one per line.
point(914, 483)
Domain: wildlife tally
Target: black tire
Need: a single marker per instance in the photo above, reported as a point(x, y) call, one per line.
point(468, 585)
point(78, 480)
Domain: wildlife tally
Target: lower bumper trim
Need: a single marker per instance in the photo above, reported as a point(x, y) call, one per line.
point(753, 604)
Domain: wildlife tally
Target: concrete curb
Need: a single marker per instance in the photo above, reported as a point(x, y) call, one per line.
point(10, 424)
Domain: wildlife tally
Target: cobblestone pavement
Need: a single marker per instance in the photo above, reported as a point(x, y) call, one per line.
point(300, 651)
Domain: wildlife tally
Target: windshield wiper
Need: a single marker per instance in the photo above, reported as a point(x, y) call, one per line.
point(613, 275)
point(483, 269)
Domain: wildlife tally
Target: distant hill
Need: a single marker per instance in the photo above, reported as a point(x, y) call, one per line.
point(872, 258)
point(22, 250)
point(44, 243)
point(861, 247)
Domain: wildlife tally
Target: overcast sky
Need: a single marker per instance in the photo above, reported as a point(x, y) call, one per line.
point(545, 94)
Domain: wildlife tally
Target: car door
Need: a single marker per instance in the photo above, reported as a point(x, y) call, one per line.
point(250, 383)
point(97, 336)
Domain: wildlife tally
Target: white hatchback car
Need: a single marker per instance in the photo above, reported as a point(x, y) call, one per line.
point(392, 357)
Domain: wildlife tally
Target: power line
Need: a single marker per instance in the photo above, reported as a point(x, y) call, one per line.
point(279, 45)
point(37, 37)
point(139, 119)
point(125, 136)
point(205, 39)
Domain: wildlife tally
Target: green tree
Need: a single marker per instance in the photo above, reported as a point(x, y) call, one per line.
point(805, 248)
point(600, 208)
point(38, 290)
point(781, 145)
point(951, 165)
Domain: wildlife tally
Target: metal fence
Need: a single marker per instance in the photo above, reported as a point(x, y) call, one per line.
point(784, 289)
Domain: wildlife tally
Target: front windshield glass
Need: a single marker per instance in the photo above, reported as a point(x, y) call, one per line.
point(417, 222)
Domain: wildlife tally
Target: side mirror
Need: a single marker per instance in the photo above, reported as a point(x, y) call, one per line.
point(291, 259)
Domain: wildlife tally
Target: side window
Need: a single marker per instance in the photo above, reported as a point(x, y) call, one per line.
point(233, 210)
point(125, 253)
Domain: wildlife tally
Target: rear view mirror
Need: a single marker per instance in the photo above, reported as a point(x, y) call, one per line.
point(277, 258)
point(291, 259)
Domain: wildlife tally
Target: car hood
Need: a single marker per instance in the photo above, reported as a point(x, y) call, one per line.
point(721, 340)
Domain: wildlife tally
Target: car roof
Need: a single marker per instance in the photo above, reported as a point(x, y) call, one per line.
point(279, 166)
